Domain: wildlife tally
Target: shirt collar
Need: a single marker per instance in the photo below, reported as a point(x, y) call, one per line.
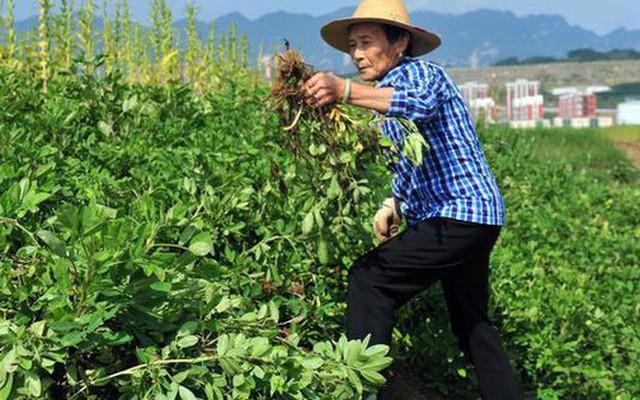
point(393, 72)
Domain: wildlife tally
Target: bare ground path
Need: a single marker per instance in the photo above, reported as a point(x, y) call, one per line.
point(406, 384)
point(631, 149)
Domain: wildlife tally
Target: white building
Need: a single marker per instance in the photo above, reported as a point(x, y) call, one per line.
point(478, 100)
point(629, 113)
point(578, 107)
point(525, 104)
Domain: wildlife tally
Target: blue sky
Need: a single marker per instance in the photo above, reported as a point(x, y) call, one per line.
point(600, 16)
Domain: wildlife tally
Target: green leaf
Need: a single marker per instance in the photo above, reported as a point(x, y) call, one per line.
point(38, 328)
point(33, 384)
point(57, 246)
point(145, 356)
point(130, 104)
point(5, 390)
point(307, 223)
point(223, 345)
point(413, 148)
point(188, 328)
point(223, 305)
point(334, 191)
point(317, 150)
point(164, 287)
point(378, 364)
point(181, 376)
point(105, 128)
point(312, 363)
point(260, 346)
point(187, 341)
point(373, 377)
point(258, 372)
point(72, 339)
point(187, 234)
point(173, 391)
point(355, 381)
point(323, 251)
point(376, 351)
point(186, 394)
point(352, 351)
point(33, 199)
point(69, 217)
point(201, 244)
point(385, 141)
point(238, 380)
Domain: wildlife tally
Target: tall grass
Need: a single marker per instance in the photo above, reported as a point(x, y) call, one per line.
point(43, 41)
point(147, 55)
point(10, 27)
point(86, 34)
point(590, 151)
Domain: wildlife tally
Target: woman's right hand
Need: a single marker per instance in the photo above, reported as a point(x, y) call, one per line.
point(386, 222)
point(324, 88)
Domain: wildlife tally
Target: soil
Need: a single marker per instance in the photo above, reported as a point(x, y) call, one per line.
point(405, 384)
point(632, 150)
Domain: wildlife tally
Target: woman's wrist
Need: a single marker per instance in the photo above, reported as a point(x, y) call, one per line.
point(346, 90)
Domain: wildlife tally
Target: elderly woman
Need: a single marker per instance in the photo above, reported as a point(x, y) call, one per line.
point(450, 200)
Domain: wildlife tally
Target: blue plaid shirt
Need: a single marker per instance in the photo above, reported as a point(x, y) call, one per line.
point(454, 180)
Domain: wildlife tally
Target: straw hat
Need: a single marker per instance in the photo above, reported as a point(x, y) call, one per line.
point(391, 12)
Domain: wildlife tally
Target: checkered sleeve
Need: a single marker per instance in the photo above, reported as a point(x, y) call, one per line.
point(417, 104)
point(419, 94)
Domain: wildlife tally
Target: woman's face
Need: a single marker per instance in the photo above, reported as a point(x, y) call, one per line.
point(371, 51)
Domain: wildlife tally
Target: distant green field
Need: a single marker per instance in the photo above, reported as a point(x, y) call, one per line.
point(590, 150)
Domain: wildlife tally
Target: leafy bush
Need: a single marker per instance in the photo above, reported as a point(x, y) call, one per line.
point(152, 246)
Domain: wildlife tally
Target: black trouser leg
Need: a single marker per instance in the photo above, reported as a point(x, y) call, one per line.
point(437, 249)
point(467, 294)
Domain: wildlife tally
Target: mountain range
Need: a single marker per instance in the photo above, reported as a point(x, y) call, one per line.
point(475, 38)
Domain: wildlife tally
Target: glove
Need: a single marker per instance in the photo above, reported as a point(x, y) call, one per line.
point(386, 223)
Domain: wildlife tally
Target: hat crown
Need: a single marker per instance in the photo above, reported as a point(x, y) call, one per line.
point(393, 10)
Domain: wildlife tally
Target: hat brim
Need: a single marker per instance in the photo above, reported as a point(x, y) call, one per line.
point(336, 34)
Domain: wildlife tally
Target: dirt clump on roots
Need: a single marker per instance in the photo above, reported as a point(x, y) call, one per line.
point(288, 94)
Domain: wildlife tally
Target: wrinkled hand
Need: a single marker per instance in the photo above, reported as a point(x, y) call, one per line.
point(386, 223)
point(323, 88)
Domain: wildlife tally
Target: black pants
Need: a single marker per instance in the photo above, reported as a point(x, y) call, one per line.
point(456, 254)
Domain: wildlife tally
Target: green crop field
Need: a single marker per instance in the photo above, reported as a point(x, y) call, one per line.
point(162, 237)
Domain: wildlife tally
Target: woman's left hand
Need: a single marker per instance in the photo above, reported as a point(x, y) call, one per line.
point(323, 88)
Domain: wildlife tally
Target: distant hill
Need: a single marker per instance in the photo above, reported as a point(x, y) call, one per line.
point(477, 38)
point(578, 55)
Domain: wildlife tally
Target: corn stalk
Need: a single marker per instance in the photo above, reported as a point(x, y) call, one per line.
point(62, 47)
point(222, 64)
point(118, 45)
point(107, 39)
point(44, 41)
point(85, 34)
point(210, 58)
point(258, 73)
point(170, 56)
point(244, 51)
point(142, 68)
point(194, 68)
point(232, 50)
point(10, 26)
point(127, 39)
